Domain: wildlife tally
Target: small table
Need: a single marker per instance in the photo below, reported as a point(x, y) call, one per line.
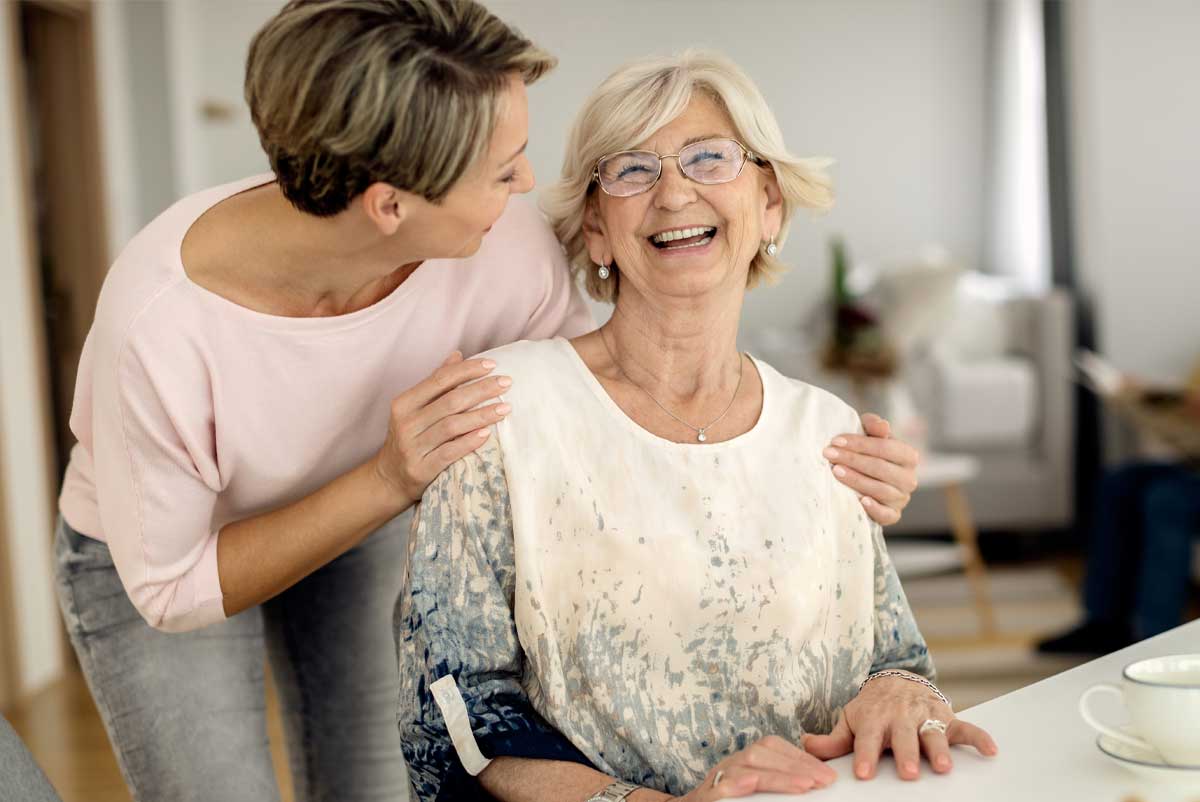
point(1047, 752)
point(950, 472)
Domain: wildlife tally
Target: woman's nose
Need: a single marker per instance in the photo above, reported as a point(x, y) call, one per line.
point(525, 177)
point(674, 189)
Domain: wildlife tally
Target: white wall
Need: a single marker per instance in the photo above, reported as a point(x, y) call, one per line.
point(1135, 121)
point(24, 469)
point(894, 91)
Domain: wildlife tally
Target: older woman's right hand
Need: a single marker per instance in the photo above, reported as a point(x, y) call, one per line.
point(771, 764)
point(436, 422)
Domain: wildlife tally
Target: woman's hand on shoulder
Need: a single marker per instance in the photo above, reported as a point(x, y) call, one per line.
point(769, 765)
point(435, 422)
point(881, 469)
point(890, 713)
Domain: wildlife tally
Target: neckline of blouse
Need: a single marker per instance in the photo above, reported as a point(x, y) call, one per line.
point(614, 409)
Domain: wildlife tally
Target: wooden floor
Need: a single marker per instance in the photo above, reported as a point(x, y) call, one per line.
point(62, 729)
point(66, 737)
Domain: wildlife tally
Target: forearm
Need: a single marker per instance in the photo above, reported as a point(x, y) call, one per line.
point(518, 779)
point(260, 557)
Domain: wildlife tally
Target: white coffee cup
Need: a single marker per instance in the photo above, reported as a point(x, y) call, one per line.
point(1162, 695)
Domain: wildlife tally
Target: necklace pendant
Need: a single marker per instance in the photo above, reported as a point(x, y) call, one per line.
point(701, 436)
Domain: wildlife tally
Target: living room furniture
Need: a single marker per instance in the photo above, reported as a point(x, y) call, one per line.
point(951, 474)
point(992, 379)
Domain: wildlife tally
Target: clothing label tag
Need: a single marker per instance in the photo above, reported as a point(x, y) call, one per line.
point(458, 724)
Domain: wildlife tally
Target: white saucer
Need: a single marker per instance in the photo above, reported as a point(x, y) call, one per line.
point(1146, 763)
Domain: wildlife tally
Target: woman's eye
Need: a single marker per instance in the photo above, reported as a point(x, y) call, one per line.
point(508, 179)
point(706, 155)
point(632, 169)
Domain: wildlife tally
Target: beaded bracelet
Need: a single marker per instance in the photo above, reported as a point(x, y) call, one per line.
point(892, 672)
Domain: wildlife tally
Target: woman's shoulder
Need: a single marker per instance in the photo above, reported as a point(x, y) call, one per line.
point(147, 279)
point(529, 358)
point(547, 382)
point(806, 403)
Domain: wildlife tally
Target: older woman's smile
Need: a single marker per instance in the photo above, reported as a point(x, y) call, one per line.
point(677, 238)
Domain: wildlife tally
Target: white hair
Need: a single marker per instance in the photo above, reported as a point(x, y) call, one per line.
point(640, 98)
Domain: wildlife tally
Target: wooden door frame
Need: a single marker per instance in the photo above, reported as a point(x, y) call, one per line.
point(63, 54)
point(10, 665)
point(87, 226)
point(10, 641)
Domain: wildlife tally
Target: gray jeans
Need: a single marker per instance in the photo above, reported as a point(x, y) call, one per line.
point(186, 712)
point(21, 779)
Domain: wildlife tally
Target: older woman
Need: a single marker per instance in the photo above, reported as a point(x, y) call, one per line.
point(648, 583)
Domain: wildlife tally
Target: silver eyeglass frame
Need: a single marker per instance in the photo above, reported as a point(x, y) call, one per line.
point(747, 154)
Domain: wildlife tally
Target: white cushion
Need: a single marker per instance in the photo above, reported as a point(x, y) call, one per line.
point(980, 325)
point(915, 303)
point(985, 403)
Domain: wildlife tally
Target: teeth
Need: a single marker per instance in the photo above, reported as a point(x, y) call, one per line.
point(699, 244)
point(680, 233)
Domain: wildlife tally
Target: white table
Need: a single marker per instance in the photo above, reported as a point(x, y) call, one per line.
point(1047, 752)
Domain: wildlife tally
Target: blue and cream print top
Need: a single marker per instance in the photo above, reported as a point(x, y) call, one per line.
point(581, 589)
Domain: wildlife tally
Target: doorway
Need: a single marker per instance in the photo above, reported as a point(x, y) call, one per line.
point(62, 132)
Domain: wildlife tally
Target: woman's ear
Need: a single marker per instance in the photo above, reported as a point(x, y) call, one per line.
point(594, 236)
point(386, 207)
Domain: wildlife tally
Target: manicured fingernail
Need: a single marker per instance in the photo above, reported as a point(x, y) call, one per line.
point(503, 409)
point(943, 762)
point(487, 363)
point(840, 441)
point(839, 471)
point(867, 501)
point(831, 453)
point(910, 768)
point(504, 381)
point(862, 771)
point(483, 433)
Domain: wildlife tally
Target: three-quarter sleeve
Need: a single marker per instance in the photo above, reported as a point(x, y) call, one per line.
point(898, 642)
point(156, 477)
point(461, 663)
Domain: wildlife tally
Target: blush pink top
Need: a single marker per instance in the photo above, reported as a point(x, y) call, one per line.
point(193, 412)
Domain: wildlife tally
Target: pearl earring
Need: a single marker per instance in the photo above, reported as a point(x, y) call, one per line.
point(603, 272)
point(772, 248)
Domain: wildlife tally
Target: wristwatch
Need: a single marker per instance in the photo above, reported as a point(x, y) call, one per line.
point(615, 792)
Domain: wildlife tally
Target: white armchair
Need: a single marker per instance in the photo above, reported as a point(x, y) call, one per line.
point(1010, 404)
point(994, 382)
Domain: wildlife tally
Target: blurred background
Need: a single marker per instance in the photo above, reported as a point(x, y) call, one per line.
point(1015, 180)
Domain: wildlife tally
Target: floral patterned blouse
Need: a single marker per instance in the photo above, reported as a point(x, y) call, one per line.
point(581, 589)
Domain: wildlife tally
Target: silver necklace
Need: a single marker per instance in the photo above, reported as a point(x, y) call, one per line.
point(699, 430)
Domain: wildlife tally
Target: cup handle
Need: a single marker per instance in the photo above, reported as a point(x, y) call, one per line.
point(1123, 737)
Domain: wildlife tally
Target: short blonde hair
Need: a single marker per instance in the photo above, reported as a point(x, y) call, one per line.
point(345, 93)
point(640, 98)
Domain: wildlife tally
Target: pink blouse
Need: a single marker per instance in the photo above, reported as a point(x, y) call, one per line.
point(192, 411)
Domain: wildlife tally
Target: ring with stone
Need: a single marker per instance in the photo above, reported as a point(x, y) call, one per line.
point(717, 777)
point(932, 724)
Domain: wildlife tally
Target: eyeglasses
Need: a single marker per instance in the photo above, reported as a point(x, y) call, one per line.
point(632, 172)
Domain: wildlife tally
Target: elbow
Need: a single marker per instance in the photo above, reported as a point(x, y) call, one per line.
point(163, 607)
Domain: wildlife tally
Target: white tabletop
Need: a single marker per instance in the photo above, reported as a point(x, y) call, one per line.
point(1047, 752)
